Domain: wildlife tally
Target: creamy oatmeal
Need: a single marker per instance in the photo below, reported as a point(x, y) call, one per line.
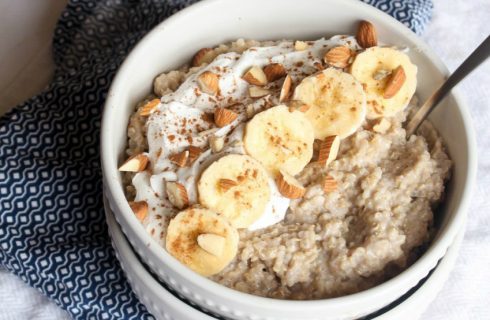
point(282, 168)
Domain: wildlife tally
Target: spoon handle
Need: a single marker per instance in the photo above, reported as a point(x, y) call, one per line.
point(472, 62)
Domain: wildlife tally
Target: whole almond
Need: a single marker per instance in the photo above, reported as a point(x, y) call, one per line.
point(194, 153)
point(136, 163)
point(338, 57)
point(149, 107)
point(289, 187)
point(177, 194)
point(366, 35)
point(226, 184)
point(204, 55)
point(208, 82)
point(328, 150)
point(256, 76)
point(285, 89)
point(274, 71)
point(180, 159)
point(329, 184)
point(395, 82)
point(140, 209)
point(223, 117)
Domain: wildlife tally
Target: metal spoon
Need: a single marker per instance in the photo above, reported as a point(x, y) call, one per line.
point(471, 63)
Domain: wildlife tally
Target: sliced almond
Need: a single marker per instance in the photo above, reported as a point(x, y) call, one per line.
point(288, 186)
point(204, 55)
point(297, 105)
point(216, 143)
point(395, 82)
point(256, 76)
point(338, 57)
point(300, 45)
point(223, 117)
point(208, 82)
point(366, 35)
point(381, 126)
point(329, 184)
point(140, 209)
point(180, 159)
point(194, 153)
point(136, 163)
point(274, 71)
point(226, 184)
point(328, 150)
point(285, 89)
point(148, 108)
point(257, 92)
point(211, 243)
point(177, 194)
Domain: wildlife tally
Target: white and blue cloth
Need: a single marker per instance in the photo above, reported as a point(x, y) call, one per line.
point(52, 228)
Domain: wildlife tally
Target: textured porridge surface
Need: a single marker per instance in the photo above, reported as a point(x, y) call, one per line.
point(363, 233)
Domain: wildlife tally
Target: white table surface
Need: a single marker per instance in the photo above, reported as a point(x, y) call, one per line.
point(457, 28)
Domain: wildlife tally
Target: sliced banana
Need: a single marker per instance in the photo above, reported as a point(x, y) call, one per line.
point(372, 68)
point(202, 240)
point(337, 102)
point(280, 140)
point(236, 186)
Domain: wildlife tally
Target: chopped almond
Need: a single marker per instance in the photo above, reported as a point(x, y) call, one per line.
point(212, 243)
point(329, 149)
point(274, 71)
point(256, 76)
point(216, 143)
point(285, 89)
point(149, 107)
point(329, 184)
point(177, 194)
point(204, 55)
point(136, 163)
point(180, 159)
point(288, 186)
point(194, 153)
point(223, 117)
point(257, 92)
point(208, 82)
point(140, 209)
point(338, 57)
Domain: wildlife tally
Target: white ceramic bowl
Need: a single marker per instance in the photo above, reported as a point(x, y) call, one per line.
point(207, 23)
point(165, 305)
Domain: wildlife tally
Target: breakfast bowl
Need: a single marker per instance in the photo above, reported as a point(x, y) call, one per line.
point(173, 43)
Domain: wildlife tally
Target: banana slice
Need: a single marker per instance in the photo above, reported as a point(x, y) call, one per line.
point(337, 102)
point(280, 140)
point(237, 187)
point(372, 68)
point(202, 240)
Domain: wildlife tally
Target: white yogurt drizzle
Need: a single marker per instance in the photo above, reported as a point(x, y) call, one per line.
point(180, 121)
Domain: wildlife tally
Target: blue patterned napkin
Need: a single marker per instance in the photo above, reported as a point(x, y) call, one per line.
point(52, 229)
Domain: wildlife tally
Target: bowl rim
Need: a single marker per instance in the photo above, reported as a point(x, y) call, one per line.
point(430, 256)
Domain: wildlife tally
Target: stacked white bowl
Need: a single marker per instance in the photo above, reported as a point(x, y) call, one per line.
point(207, 23)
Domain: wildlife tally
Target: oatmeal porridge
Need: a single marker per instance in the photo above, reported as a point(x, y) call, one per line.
point(282, 168)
